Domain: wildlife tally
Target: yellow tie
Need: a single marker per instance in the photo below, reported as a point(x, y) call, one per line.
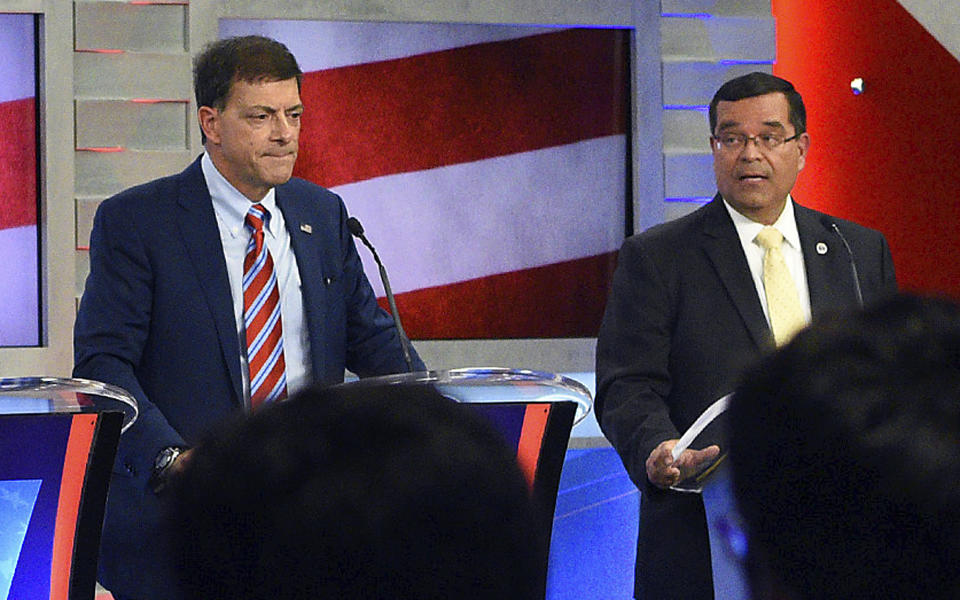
point(783, 302)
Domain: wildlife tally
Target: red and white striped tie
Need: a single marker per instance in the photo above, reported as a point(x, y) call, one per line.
point(261, 315)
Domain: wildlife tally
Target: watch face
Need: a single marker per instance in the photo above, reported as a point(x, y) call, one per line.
point(167, 455)
point(164, 459)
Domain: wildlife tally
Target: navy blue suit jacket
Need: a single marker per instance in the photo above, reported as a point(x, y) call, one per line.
point(157, 319)
point(682, 321)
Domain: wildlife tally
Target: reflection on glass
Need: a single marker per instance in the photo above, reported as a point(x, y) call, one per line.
point(496, 384)
point(33, 395)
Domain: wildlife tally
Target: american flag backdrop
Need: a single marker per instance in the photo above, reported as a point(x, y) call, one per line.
point(488, 164)
point(19, 289)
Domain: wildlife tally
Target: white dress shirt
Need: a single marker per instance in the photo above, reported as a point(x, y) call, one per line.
point(231, 208)
point(786, 224)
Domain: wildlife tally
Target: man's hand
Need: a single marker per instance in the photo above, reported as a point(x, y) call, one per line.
point(663, 471)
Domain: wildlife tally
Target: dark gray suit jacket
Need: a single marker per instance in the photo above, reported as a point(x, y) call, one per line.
point(157, 320)
point(682, 321)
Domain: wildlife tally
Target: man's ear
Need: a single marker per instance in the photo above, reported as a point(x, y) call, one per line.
point(209, 119)
point(803, 145)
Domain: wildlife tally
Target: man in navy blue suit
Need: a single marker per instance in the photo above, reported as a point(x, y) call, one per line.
point(162, 315)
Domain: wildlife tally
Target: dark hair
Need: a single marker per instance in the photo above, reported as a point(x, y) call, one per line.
point(358, 493)
point(759, 84)
point(845, 450)
point(249, 58)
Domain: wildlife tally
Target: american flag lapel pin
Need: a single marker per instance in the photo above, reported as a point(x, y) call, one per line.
point(306, 228)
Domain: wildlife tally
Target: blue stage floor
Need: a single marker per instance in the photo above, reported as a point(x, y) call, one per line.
point(594, 537)
point(593, 545)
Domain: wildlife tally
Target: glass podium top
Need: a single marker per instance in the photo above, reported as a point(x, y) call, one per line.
point(40, 395)
point(494, 384)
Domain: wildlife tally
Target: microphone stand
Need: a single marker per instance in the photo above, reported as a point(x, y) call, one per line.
point(853, 263)
point(353, 224)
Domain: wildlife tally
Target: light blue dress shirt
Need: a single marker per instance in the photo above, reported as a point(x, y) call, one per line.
point(231, 207)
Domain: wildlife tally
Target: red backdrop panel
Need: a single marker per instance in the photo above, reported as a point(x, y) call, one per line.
point(888, 158)
point(18, 164)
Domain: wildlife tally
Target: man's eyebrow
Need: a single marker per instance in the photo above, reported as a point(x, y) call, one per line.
point(727, 125)
point(732, 124)
point(273, 109)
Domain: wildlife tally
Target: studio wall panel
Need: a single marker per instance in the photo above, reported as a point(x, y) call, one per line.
point(137, 27)
point(132, 75)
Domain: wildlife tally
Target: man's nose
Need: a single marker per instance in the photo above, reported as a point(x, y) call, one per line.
point(751, 149)
point(283, 127)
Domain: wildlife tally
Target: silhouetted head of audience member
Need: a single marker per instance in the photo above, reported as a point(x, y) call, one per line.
point(358, 493)
point(845, 452)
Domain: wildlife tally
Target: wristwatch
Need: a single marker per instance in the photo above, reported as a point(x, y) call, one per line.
point(165, 458)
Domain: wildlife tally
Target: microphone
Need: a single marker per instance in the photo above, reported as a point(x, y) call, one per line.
point(356, 229)
point(853, 263)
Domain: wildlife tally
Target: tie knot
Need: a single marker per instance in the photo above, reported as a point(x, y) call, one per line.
point(769, 237)
point(257, 217)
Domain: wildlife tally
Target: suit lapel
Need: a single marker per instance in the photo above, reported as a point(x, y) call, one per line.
point(829, 276)
point(306, 238)
point(722, 246)
point(201, 236)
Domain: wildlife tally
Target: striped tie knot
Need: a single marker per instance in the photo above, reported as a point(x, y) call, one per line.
point(257, 218)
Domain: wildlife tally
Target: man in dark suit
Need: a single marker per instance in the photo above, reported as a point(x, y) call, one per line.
point(165, 313)
point(689, 310)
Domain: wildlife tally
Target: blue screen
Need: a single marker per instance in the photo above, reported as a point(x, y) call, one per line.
point(32, 451)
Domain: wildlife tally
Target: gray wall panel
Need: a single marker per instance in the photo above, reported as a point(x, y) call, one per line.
point(132, 125)
point(132, 27)
point(106, 173)
point(132, 75)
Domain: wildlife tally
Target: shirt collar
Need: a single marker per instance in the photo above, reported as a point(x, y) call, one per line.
point(786, 224)
point(230, 205)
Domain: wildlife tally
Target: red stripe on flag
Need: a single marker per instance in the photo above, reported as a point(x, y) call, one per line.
point(18, 164)
point(462, 105)
point(560, 300)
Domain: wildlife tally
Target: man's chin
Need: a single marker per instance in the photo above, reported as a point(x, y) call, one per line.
point(751, 198)
point(278, 177)
point(754, 205)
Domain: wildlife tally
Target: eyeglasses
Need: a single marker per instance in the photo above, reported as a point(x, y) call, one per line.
point(736, 142)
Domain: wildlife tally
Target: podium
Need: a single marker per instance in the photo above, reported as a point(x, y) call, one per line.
point(534, 410)
point(58, 441)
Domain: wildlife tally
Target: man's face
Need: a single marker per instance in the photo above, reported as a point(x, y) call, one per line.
point(755, 180)
point(253, 140)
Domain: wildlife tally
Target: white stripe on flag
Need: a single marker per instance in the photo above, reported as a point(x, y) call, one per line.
point(319, 45)
point(18, 75)
point(497, 215)
point(19, 318)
